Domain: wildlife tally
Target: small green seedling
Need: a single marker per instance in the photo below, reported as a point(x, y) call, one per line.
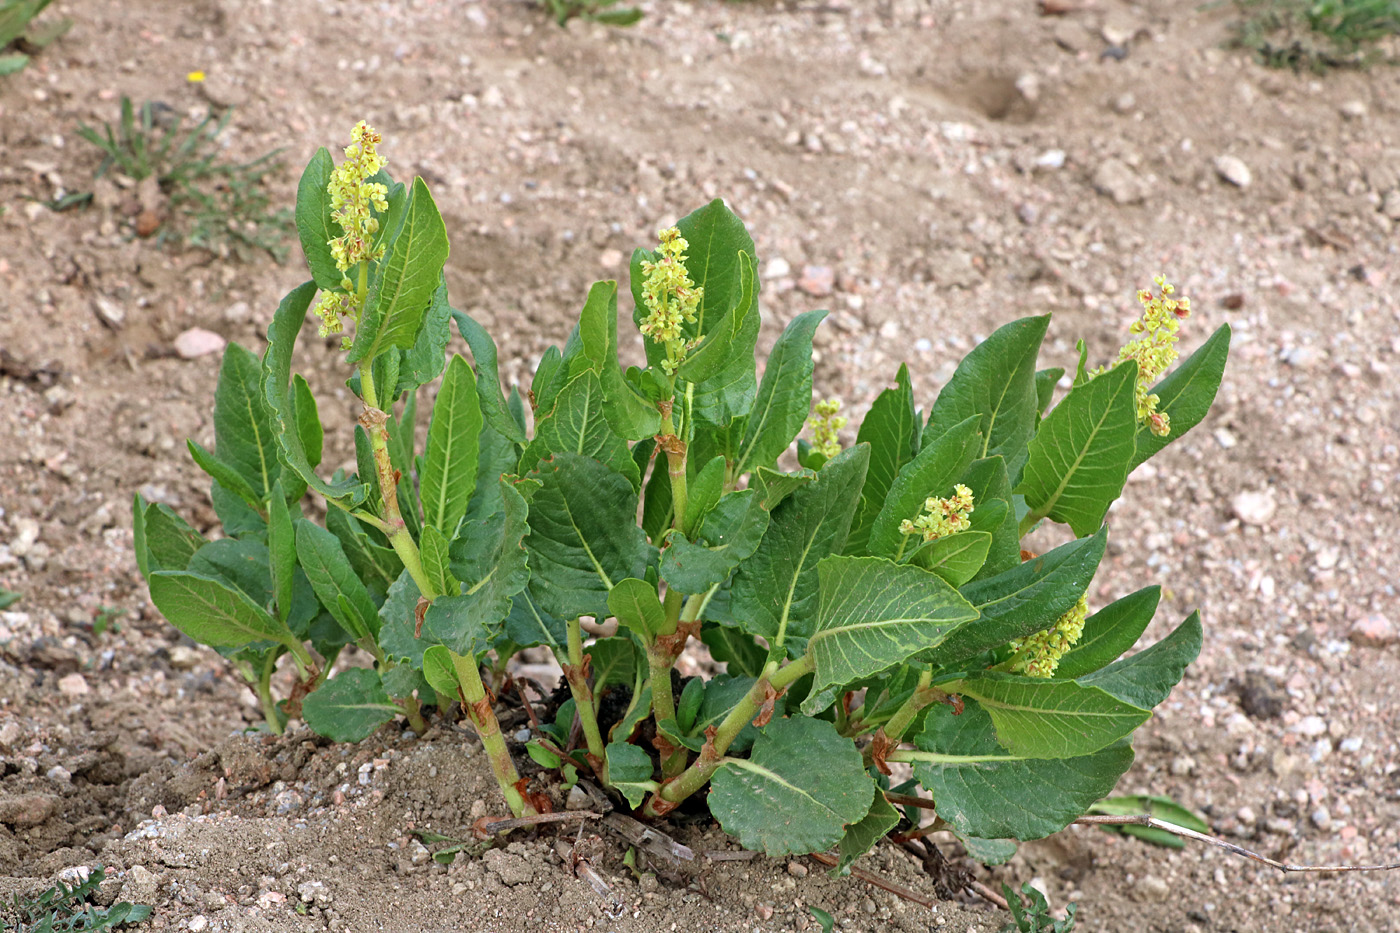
point(870, 604)
point(65, 908)
point(606, 12)
point(20, 38)
point(1033, 915)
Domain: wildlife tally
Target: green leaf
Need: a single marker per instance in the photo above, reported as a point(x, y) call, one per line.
point(989, 851)
point(497, 457)
point(800, 788)
point(376, 566)
point(314, 224)
point(635, 604)
point(724, 340)
point(1037, 718)
point(875, 614)
point(550, 376)
point(630, 771)
point(940, 462)
point(736, 650)
point(211, 612)
point(488, 378)
point(577, 424)
point(996, 383)
point(439, 670)
point(307, 420)
point(1045, 382)
point(688, 705)
point(727, 536)
point(1157, 807)
point(890, 428)
point(956, 558)
point(630, 416)
point(277, 370)
point(776, 590)
point(138, 535)
point(729, 394)
point(721, 694)
point(332, 577)
point(989, 483)
point(242, 428)
point(407, 277)
point(243, 563)
point(449, 466)
point(774, 487)
point(282, 550)
point(402, 682)
point(705, 490)
point(432, 552)
point(863, 836)
point(1079, 458)
point(398, 622)
point(349, 706)
point(528, 626)
point(1027, 598)
point(424, 362)
point(616, 662)
point(169, 540)
point(1110, 632)
point(983, 790)
point(1146, 678)
point(1186, 393)
point(784, 396)
point(583, 536)
point(488, 557)
point(225, 475)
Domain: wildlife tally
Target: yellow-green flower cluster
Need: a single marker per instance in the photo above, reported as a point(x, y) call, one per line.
point(353, 201)
point(1039, 655)
point(1154, 349)
point(941, 517)
point(671, 297)
point(825, 425)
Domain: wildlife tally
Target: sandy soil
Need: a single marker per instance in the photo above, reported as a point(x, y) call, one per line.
point(927, 170)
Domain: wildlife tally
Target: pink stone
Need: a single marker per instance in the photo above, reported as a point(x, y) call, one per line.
point(1373, 631)
point(817, 281)
point(73, 685)
point(197, 342)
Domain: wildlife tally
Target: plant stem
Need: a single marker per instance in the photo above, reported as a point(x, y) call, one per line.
point(482, 718)
point(264, 687)
point(577, 675)
point(413, 712)
point(922, 696)
point(712, 756)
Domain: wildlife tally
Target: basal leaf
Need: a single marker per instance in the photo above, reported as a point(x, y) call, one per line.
point(282, 550)
point(875, 614)
point(1079, 458)
point(212, 612)
point(799, 789)
point(775, 591)
point(583, 536)
point(996, 383)
point(1038, 718)
point(349, 706)
point(983, 790)
point(1110, 632)
point(527, 625)
point(1146, 678)
point(630, 771)
point(449, 464)
point(243, 563)
point(440, 671)
point(863, 836)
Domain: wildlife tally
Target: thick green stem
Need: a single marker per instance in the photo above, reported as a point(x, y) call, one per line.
point(712, 756)
point(577, 675)
point(489, 731)
point(413, 712)
point(375, 423)
point(264, 687)
point(922, 696)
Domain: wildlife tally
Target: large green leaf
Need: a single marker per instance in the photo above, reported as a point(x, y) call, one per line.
point(1038, 718)
point(636, 606)
point(349, 706)
point(308, 422)
point(424, 362)
point(211, 612)
point(1187, 392)
point(1027, 598)
point(1110, 632)
point(726, 536)
point(724, 341)
point(1146, 678)
point(398, 622)
point(996, 382)
point(577, 423)
point(583, 536)
point(736, 650)
point(405, 280)
point(941, 461)
point(728, 394)
point(488, 379)
point(863, 836)
point(958, 557)
point(875, 614)
point(277, 370)
point(314, 224)
point(1080, 456)
point(334, 580)
point(243, 563)
point(890, 428)
point(797, 792)
point(784, 396)
point(449, 464)
point(628, 414)
point(983, 790)
point(169, 541)
point(489, 558)
point(775, 591)
point(224, 475)
point(527, 625)
point(242, 426)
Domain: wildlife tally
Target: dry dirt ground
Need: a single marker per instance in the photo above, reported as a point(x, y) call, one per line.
point(942, 167)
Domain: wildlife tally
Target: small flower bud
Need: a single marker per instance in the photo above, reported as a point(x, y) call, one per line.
point(826, 423)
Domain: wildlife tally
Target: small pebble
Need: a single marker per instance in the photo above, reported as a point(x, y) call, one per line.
point(1254, 508)
point(197, 342)
point(1311, 726)
point(1322, 819)
point(797, 869)
point(1233, 170)
point(1373, 631)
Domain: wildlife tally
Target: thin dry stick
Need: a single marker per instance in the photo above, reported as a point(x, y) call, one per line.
point(489, 827)
point(905, 800)
point(1185, 833)
point(831, 861)
point(987, 893)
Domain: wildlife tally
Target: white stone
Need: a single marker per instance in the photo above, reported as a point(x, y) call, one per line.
point(1254, 508)
point(1232, 169)
point(197, 342)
